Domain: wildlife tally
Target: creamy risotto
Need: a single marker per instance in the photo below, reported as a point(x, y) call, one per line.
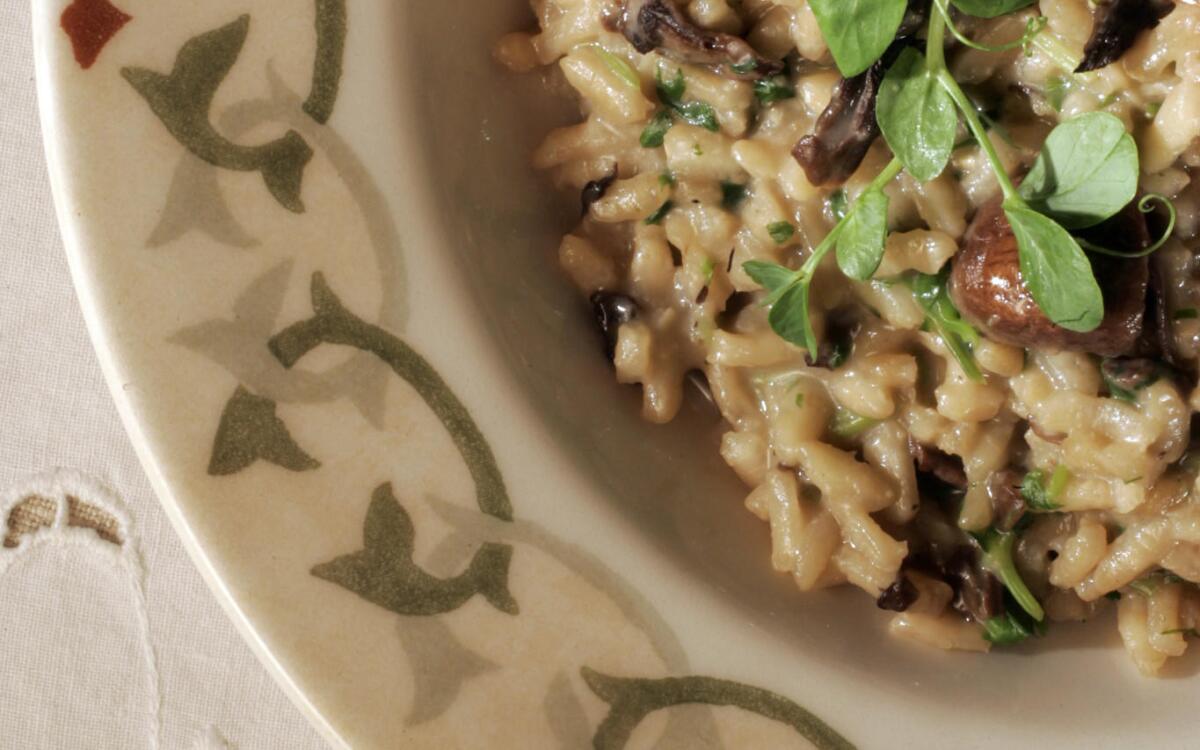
point(934, 262)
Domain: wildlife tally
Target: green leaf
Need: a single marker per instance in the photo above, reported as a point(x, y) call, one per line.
point(732, 195)
point(1056, 271)
point(997, 557)
point(773, 89)
point(781, 231)
point(1005, 630)
point(789, 317)
point(991, 8)
point(700, 114)
point(917, 116)
point(656, 129)
point(861, 243)
point(660, 214)
point(1087, 171)
point(770, 276)
point(670, 92)
point(1037, 494)
point(858, 32)
point(933, 294)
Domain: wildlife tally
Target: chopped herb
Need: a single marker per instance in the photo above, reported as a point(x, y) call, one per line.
point(839, 204)
point(781, 231)
point(697, 150)
point(1187, 313)
point(666, 178)
point(707, 268)
point(848, 425)
point(1186, 632)
point(800, 400)
point(672, 91)
point(1125, 377)
point(1005, 630)
point(656, 130)
point(1042, 495)
point(732, 195)
point(1152, 109)
point(671, 94)
point(663, 210)
point(745, 67)
point(774, 89)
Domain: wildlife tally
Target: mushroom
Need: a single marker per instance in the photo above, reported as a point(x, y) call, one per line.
point(662, 25)
point(845, 130)
point(986, 286)
point(612, 311)
point(1116, 27)
point(945, 467)
point(847, 127)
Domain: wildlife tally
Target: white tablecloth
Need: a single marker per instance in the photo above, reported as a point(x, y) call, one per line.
point(111, 639)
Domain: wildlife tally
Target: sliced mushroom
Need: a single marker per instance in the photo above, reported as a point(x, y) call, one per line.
point(844, 131)
point(847, 127)
point(595, 190)
point(986, 286)
point(899, 596)
point(947, 468)
point(1116, 27)
point(662, 25)
point(612, 311)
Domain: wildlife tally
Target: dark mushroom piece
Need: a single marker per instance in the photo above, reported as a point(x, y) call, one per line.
point(844, 131)
point(899, 596)
point(662, 25)
point(1116, 26)
point(846, 128)
point(612, 311)
point(986, 286)
point(977, 592)
point(945, 467)
point(595, 190)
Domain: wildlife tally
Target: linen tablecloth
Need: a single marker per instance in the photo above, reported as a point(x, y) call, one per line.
point(108, 636)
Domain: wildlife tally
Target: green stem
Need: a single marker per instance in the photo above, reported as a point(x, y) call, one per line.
point(1032, 29)
point(935, 47)
point(1054, 49)
point(980, 132)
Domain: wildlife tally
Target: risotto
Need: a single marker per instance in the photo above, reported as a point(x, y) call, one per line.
point(934, 262)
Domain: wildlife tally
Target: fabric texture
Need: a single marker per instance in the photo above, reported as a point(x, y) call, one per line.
point(108, 636)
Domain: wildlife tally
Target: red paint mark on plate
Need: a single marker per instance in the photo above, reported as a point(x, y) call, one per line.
point(91, 24)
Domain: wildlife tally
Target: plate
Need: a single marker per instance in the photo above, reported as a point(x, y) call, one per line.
point(320, 279)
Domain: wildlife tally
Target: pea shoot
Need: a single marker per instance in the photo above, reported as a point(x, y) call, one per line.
point(1086, 173)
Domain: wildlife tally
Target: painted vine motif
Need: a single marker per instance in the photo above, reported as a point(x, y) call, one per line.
point(384, 572)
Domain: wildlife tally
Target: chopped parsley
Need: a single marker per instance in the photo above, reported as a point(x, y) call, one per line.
point(663, 210)
point(781, 231)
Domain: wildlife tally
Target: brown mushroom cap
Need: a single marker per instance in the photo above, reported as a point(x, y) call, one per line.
point(986, 286)
point(662, 25)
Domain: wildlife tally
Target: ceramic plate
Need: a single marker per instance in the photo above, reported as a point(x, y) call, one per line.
point(319, 276)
